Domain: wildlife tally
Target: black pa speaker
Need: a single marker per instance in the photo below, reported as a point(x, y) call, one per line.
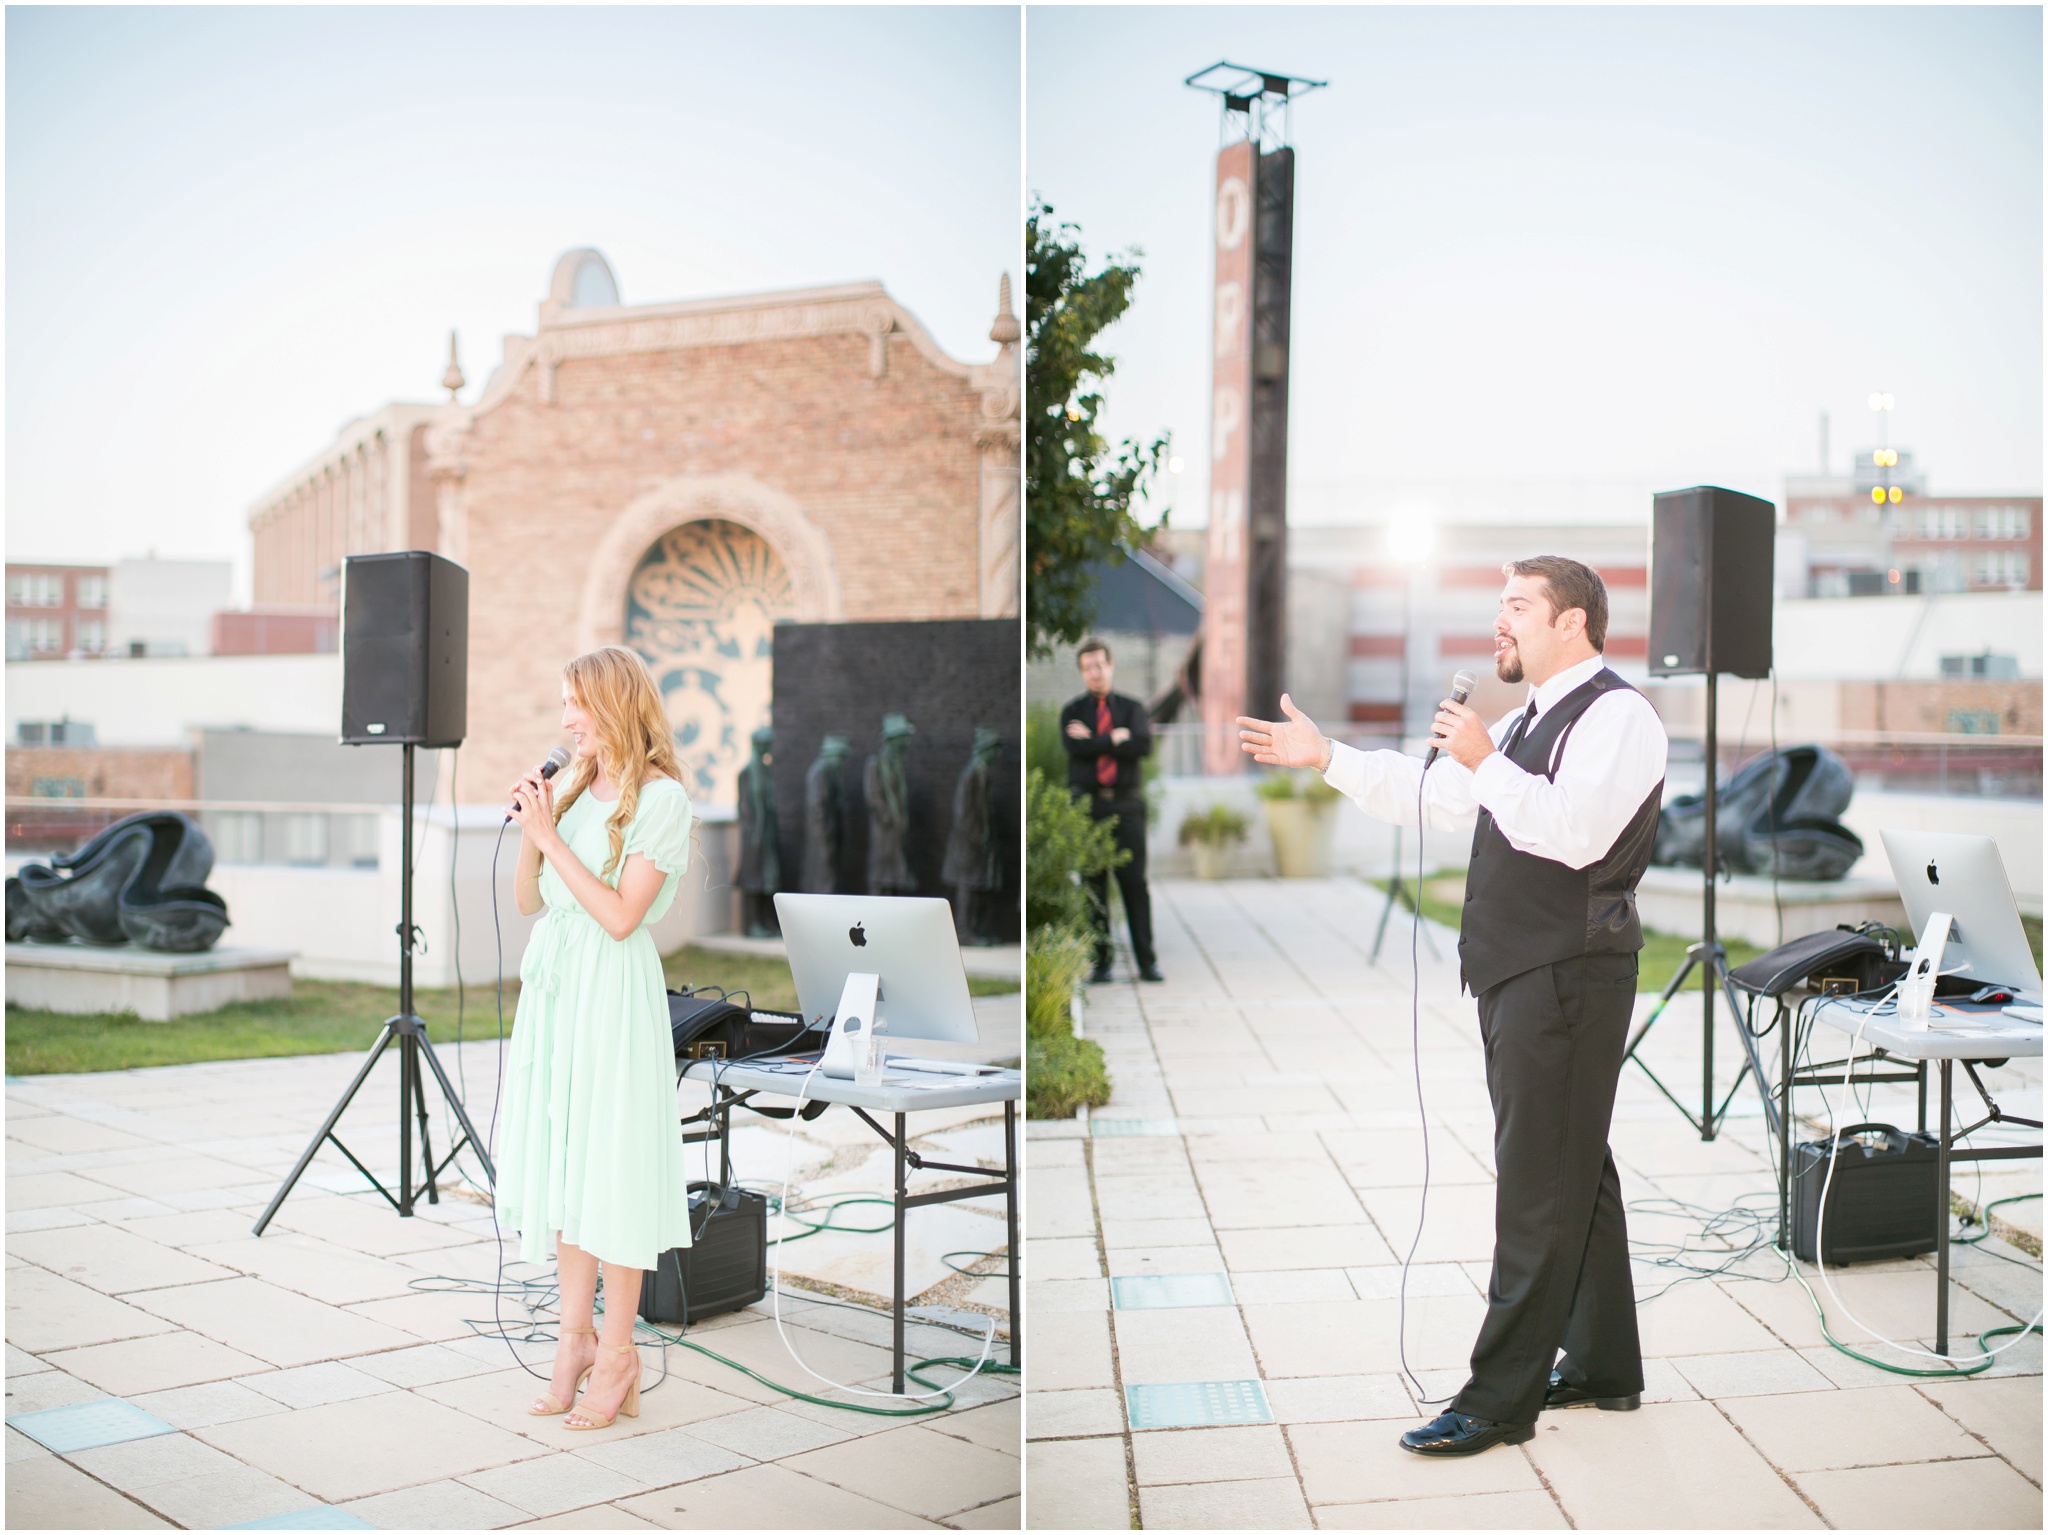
point(404, 650)
point(1711, 559)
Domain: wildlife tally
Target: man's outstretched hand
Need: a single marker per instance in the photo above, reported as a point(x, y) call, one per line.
point(1292, 742)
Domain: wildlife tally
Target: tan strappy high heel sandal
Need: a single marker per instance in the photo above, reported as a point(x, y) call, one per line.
point(630, 1406)
point(552, 1411)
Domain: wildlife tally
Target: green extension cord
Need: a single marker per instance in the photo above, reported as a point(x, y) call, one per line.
point(991, 1368)
point(1950, 1373)
point(812, 1228)
point(1983, 1216)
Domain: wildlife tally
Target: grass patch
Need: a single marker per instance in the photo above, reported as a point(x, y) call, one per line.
point(322, 1018)
point(1443, 901)
point(327, 1017)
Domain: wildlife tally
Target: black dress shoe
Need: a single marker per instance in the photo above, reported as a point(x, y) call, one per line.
point(1457, 1433)
point(1099, 976)
point(1149, 973)
point(1563, 1394)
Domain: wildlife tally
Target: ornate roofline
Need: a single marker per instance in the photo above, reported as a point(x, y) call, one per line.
point(856, 309)
point(393, 421)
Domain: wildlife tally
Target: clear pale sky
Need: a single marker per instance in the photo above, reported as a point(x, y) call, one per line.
point(1581, 253)
point(229, 231)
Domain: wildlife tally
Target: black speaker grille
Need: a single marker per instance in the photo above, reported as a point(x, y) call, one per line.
point(405, 650)
point(1712, 553)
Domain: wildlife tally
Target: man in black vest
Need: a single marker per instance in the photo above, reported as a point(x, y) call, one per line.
point(1565, 795)
point(1107, 737)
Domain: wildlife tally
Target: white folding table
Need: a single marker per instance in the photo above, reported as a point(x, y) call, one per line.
point(1990, 1039)
point(734, 1083)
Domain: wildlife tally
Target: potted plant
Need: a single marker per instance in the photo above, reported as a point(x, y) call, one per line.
point(1300, 819)
point(1209, 835)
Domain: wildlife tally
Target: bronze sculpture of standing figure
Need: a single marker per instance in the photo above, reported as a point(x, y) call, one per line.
point(760, 839)
point(825, 816)
point(973, 867)
point(888, 798)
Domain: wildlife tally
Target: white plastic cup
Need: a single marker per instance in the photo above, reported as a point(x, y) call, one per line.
point(1916, 999)
point(869, 1060)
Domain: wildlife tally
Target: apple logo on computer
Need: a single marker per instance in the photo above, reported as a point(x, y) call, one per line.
point(1932, 877)
point(860, 939)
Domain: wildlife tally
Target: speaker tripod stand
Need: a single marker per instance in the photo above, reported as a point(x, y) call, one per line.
point(1711, 960)
point(409, 1031)
point(1397, 890)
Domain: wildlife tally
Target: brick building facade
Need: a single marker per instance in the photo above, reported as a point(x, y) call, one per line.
point(56, 610)
point(678, 477)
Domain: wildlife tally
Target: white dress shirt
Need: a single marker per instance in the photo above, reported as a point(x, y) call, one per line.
point(1612, 759)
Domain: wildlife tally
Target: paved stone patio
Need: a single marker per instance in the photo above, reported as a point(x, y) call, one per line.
point(306, 1379)
point(1264, 1133)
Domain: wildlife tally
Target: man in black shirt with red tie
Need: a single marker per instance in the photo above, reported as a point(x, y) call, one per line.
point(1107, 736)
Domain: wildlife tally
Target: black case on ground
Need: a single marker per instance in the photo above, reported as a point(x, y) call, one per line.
point(725, 1266)
point(1883, 1202)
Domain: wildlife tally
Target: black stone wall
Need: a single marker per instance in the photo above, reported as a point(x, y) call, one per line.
point(948, 676)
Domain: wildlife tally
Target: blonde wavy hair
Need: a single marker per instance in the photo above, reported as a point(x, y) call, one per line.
point(634, 741)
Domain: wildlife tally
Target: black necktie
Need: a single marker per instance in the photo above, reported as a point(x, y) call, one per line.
point(1519, 729)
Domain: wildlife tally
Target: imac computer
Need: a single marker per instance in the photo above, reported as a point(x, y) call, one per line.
point(1964, 876)
point(907, 943)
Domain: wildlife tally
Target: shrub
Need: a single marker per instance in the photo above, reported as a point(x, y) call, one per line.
point(1043, 752)
point(1062, 1074)
point(1306, 785)
point(1218, 826)
point(1054, 961)
point(1063, 842)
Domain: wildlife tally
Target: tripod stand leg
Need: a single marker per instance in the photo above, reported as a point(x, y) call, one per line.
point(408, 1064)
point(1387, 910)
point(1663, 1001)
point(327, 1129)
point(448, 1092)
point(1786, 1056)
point(419, 1098)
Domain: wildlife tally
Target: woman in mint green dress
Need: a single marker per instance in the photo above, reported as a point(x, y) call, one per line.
point(591, 1156)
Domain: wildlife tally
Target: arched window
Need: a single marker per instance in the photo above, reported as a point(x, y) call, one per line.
point(701, 609)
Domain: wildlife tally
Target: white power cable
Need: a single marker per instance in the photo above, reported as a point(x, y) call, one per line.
point(1820, 1215)
point(775, 1274)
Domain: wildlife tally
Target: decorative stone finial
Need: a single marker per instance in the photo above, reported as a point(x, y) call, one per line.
point(1006, 329)
point(452, 380)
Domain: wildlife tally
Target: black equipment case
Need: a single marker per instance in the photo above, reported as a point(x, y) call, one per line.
point(725, 1266)
point(709, 1025)
point(1883, 1202)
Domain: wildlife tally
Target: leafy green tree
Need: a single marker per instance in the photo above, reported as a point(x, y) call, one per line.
point(1078, 491)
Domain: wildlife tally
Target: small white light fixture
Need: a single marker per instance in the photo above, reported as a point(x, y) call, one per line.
point(1176, 464)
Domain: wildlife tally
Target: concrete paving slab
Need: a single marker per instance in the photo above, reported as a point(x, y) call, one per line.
point(1677, 1465)
point(766, 1498)
point(155, 1363)
point(2004, 1415)
point(347, 1450)
point(1985, 1494)
point(1267, 1142)
point(1077, 1484)
point(52, 1494)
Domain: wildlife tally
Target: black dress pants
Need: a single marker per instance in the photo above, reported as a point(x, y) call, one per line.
point(1130, 882)
point(1554, 1038)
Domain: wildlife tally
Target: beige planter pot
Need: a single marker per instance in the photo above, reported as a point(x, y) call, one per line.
point(1210, 858)
point(1301, 834)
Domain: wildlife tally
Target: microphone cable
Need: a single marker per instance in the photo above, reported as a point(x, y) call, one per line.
point(1415, 1060)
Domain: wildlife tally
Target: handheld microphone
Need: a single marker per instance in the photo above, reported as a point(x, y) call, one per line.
point(1461, 689)
point(559, 759)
